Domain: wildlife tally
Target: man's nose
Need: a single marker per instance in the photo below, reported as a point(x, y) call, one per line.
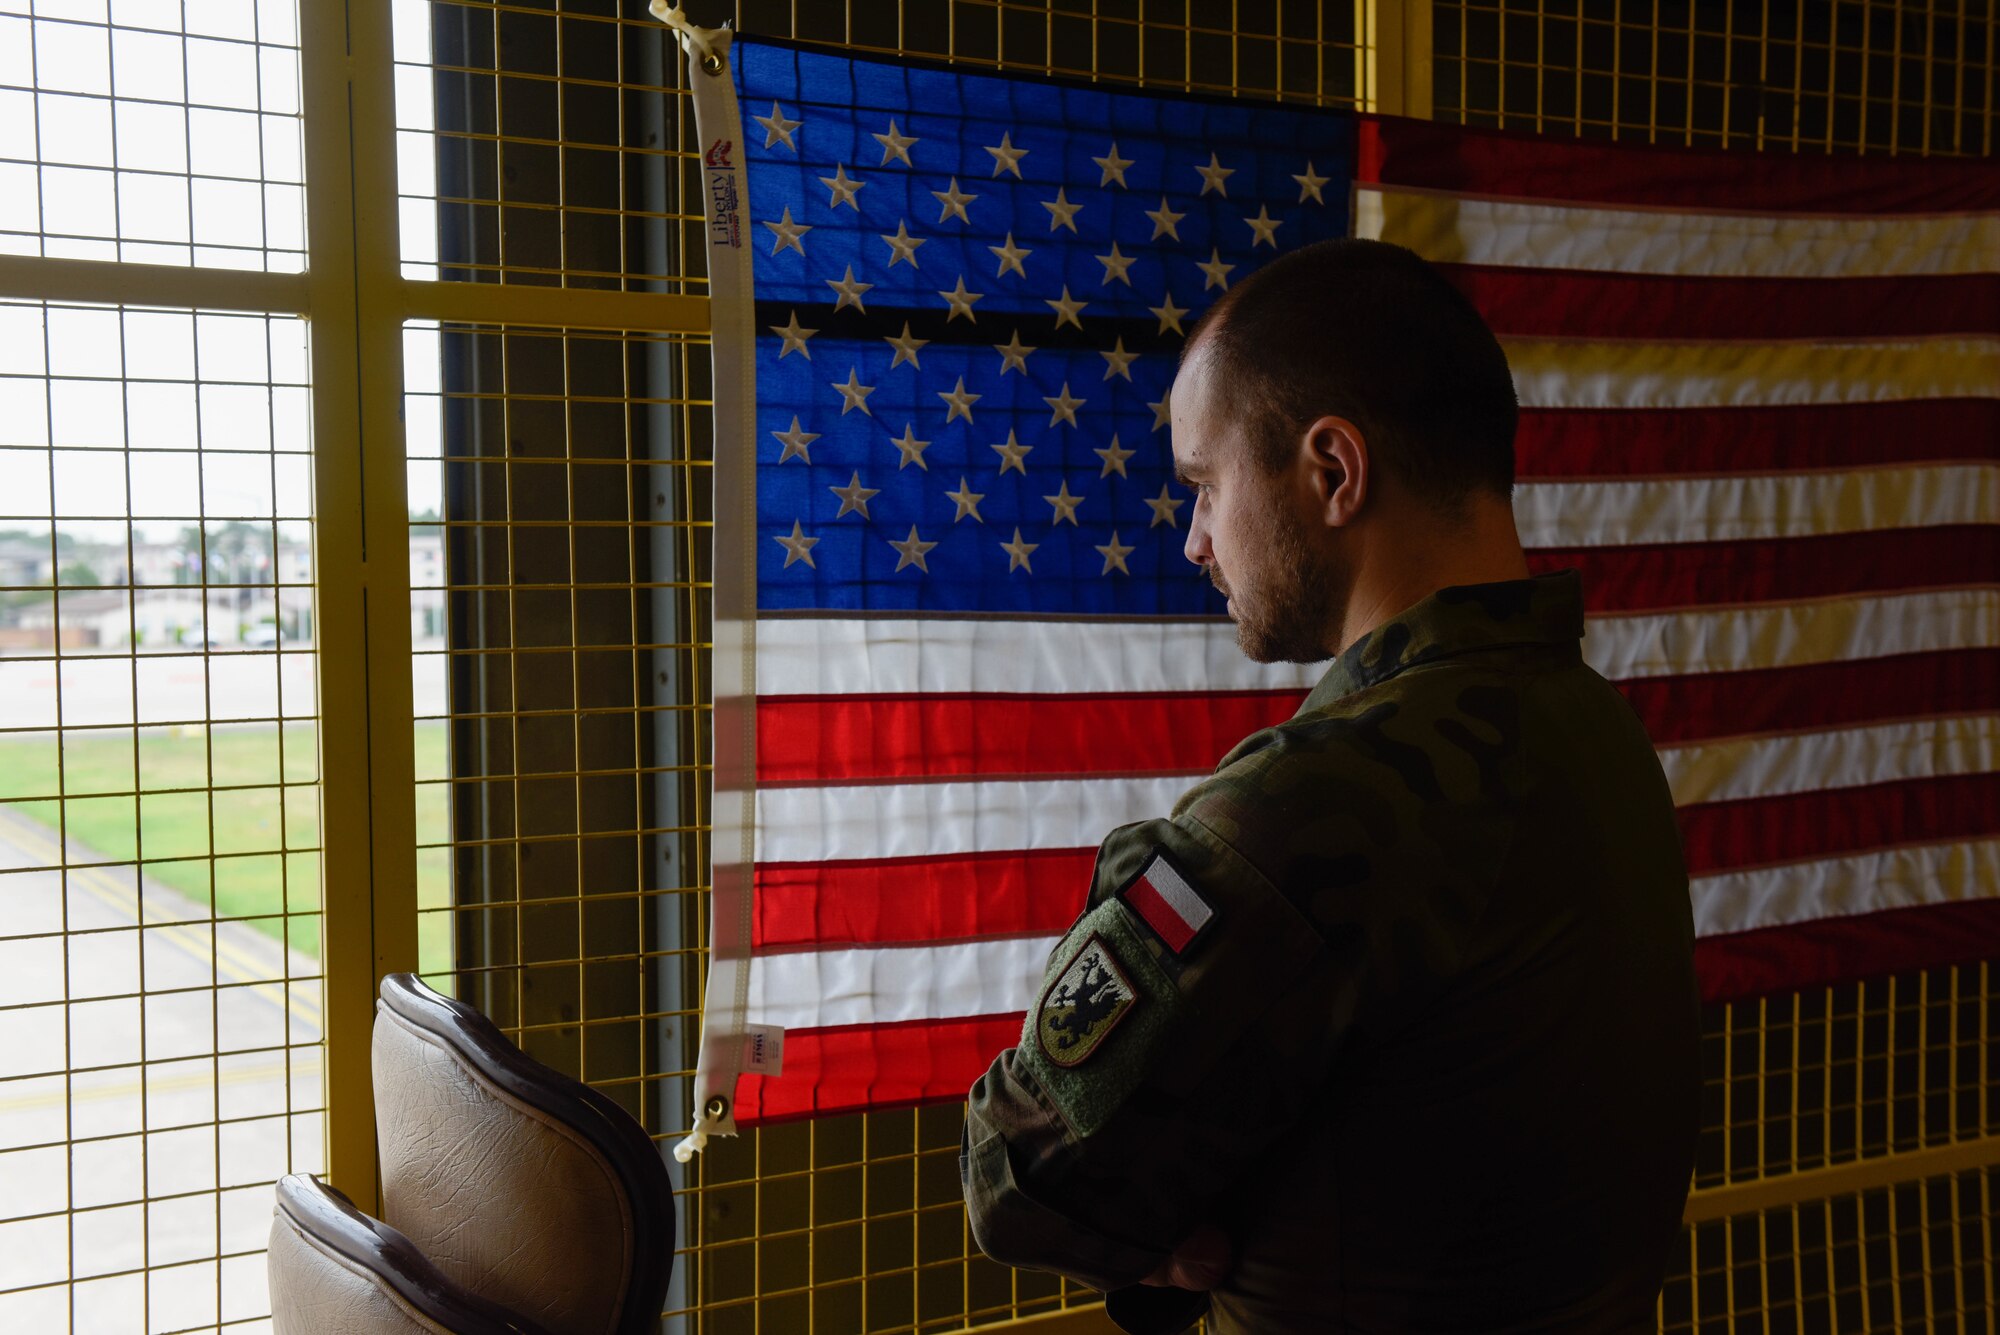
point(1197, 548)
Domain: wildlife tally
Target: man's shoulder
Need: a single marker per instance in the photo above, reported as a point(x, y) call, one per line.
point(1374, 777)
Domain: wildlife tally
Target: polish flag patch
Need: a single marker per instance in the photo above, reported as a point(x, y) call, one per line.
point(1167, 902)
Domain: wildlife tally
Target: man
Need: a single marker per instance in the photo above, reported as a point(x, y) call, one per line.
point(1391, 1026)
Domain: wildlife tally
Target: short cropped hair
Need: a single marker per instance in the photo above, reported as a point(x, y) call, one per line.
point(1368, 331)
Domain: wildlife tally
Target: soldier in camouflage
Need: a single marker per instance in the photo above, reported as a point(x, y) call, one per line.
point(1391, 1024)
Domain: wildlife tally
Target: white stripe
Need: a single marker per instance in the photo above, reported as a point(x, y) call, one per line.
point(1742, 767)
point(906, 820)
point(847, 656)
point(1606, 373)
point(1890, 878)
point(1632, 512)
point(811, 656)
point(1791, 634)
point(1190, 907)
point(1469, 230)
point(891, 984)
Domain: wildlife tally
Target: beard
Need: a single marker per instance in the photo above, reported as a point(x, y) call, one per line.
point(1290, 603)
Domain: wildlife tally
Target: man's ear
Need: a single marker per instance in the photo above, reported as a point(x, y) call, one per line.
point(1336, 457)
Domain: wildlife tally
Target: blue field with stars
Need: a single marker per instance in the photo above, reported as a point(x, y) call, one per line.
point(971, 294)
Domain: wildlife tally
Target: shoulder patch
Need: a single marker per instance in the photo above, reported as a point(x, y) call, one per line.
point(1083, 1003)
point(1167, 902)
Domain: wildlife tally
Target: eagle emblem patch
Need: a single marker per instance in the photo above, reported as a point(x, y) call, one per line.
point(1083, 1004)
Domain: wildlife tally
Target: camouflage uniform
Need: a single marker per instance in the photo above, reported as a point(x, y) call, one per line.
point(1430, 1062)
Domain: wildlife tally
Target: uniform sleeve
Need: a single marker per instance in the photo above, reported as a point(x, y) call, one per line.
point(1185, 1020)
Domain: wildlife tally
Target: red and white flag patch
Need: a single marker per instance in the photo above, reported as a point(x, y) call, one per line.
point(1167, 902)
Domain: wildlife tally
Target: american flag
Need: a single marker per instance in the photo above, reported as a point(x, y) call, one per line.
point(957, 641)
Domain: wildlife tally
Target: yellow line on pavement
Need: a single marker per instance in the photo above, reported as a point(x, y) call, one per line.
point(226, 960)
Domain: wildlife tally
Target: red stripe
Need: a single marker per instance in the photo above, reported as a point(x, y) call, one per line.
point(1395, 151)
point(1651, 442)
point(1824, 695)
point(1843, 950)
point(1159, 914)
point(874, 1067)
point(1637, 579)
point(803, 739)
point(1526, 302)
point(1834, 822)
point(878, 901)
point(892, 901)
point(866, 1067)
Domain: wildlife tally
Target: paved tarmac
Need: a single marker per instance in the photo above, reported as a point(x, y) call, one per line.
point(158, 1071)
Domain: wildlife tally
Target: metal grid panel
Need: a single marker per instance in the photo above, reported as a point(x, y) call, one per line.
point(564, 477)
point(1867, 75)
point(165, 134)
point(160, 998)
point(1915, 1256)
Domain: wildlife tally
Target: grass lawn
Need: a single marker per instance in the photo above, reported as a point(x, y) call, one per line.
point(251, 851)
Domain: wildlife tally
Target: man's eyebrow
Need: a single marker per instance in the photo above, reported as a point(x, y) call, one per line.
point(1184, 472)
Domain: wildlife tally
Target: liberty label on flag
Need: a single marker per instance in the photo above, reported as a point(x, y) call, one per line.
point(956, 641)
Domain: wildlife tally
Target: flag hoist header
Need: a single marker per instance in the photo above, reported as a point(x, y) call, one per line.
point(955, 639)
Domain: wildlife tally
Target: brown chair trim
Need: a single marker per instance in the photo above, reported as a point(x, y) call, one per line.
point(330, 1221)
point(608, 1127)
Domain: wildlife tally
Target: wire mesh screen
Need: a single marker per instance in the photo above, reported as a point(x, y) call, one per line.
point(160, 999)
point(1864, 75)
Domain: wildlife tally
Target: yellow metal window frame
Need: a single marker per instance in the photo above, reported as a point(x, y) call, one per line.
point(358, 301)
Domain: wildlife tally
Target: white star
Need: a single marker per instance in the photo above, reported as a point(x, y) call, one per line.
point(1169, 315)
point(1162, 412)
point(1114, 167)
point(1018, 553)
point(1013, 354)
point(1309, 185)
point(844, 187)
point(954, 202)
point(902, 246)
point(1163, 509)
point(960, 401)
point(1215, 177)
point(776, 127)
point(1120, 360)
point(787, 233)
point(1114, 555)
point(798, 547)
point(1218, 272)
point(1007, 157)
point(1114, 458)
point(795, 336)
point(961, 301)
point(850, 291)
point(910, 551)
point(854, 497)
point(796, 442)
point(912, 448)
point(895, 145)
point(967, 500)
point(854, 392)
point(906, 347)
point(1266, 228)
point(1164, 220)
point(1067, 309)
point(1063, 407)
point(1065, 505)
point(1010, 257)
point(1014, 455)
point(1062, 213)
point(1115, 266)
